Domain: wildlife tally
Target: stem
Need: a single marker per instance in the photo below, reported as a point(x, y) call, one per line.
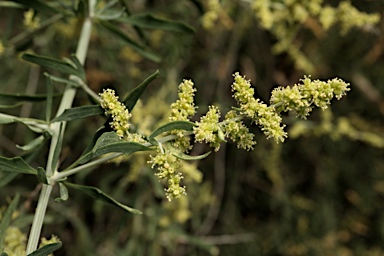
point(61, 175)
point(66, 102)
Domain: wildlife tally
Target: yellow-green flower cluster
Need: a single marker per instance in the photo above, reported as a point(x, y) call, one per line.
point(2, 48)
point(31, 22)
point(264, 116)
point(347, 16)
point(236, 130)
point(208, 129)
point(184, 107)
point(14, 242)
point(167, 166)
point(120, 115)
point(44, 241)
point(301, 98)
point(182, 110)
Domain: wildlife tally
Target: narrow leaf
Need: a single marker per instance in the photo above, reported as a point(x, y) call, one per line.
point(56, 152)
point(78, 65)
point(138, 47)
point(97, 194)
point(48, 108)
point(109, 142)
point(38, 6)
point(79, 112)
point(6, 119)
point(186, 157)
point(32, 144)
point(41, 175)
point(63, 193)
point(16, 165)
point(96, 136)
point(151, 22)
point(134, 95)
point(175, 125)
point(6, 98)
point(63, 80)
point(59, 65)
point(10, 4)
point(47, 249)
point(7, 217)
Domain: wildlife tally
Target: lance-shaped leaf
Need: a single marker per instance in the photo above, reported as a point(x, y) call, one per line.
point(134, 95)
point(35, 125)
point(79, 112)
point(101, 196)
point(7, 119)
point(186, 157)
point(59, 65)
point(17, 165)
point(33, 143)
point(138, 47)
point(38, 6)
point(10, 5)
point(107, 13)
point(151, 22)
point(6, 219)
point(175, 125)
point(46, 250)
point(13, 98)
point(42, 176)
point(63, 193)
point(109, 142)
point(63, 80)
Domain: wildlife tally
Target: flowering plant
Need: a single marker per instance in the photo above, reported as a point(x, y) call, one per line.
point(169, 144)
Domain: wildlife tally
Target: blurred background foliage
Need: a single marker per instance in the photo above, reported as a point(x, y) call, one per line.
point(319, 193)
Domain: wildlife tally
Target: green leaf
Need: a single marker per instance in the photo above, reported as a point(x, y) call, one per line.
point(48, 108)
point(151, 22)
point(40, 6)
point(138, 47)
point(175, 125)
point(107, 13)
point(7, 119)
point(97, 194)
point(56, 152)
point(109, 142)
point(134, 95)
point(7, 217)
point(10, 4)
point(63, 80)
point(7, 177)
point(186, 157)
point(13, 98)
point(16, 165)
point(63, 193)
point(33, 143)
point(42, 176)
point(35, 125)
point(47, 249)
point(59, 65)
point(79, 112)
point(3, 254)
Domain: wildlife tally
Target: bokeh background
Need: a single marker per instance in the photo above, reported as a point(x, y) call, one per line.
point(319, 193)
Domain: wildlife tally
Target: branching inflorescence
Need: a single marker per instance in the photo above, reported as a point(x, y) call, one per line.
point(300, 99)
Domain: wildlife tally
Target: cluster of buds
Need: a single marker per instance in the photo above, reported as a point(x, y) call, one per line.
point(167, 168)
point(299, 99)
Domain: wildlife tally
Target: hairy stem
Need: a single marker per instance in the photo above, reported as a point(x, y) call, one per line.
point(66, 102)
